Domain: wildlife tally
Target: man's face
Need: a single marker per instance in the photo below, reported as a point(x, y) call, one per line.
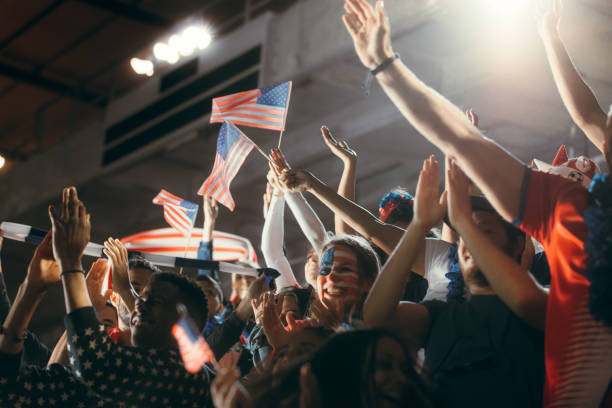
point(212, 297)
point(139, 278)
point(492, 226)
point(338, 280)
point(154, 315)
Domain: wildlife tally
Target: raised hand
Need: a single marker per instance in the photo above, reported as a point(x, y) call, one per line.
point(258, 307)
point(326, 314)
point(295, 180)
point(339, 148)
point(71, 230)
point(459, 205)
point(369, 29)
point(279, 161)
point(43, 270)
point(429, 206)
point(211, 209)
point(549, 16)
point(272, 176)
point(118, 256)
point(272, 326)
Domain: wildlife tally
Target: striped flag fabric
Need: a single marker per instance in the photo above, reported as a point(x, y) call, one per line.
point(194, 349)
point(233, 147)
point(263, 108)
point(179, 213)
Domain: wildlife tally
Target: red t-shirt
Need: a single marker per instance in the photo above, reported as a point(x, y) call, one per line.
point(578, 348)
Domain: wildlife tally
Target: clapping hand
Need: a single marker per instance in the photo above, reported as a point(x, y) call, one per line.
point(549, 17)
point(459, 205)
point(296, 181)
point(369, 29)
point(71, 230)
point(339, 148)
point(429, 206)
point(43, 270)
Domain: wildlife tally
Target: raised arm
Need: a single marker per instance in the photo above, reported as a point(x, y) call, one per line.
point(382, 307)
point(510, 281)
point(346, 188)
point(495, 171)
point(205, 248)
point(578, 98)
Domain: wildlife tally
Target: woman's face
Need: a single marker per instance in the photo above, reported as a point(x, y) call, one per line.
point(338, 280)
point(390, 380)
point(311, 268)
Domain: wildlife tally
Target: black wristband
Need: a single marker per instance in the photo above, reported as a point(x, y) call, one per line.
point(72, 271)
point(385, 64)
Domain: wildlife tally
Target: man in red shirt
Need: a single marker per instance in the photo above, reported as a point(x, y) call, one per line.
point(546, 206)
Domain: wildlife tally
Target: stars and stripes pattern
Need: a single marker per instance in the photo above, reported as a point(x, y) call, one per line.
point(192, 346)
point(179, 213)
point(233, 147)
point(263, 108)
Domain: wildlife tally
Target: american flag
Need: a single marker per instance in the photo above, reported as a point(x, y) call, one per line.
point(233, 147)
point(179, 213)
point(263, 108)
point(192, 346)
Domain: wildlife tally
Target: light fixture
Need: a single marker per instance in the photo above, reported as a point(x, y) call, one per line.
point(198, 36)
point(142, 67)
point(2, 161)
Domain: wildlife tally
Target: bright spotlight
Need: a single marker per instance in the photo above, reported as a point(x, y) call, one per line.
point(198, 36)
point(164, 52)
point(2, 161)
point(181, 45)
point(142, 67)
point(505, 9)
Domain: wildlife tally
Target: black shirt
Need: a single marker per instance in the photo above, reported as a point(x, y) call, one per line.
point(480, 354)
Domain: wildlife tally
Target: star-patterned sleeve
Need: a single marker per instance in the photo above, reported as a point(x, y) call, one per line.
point(53, 386)
point(135, 376)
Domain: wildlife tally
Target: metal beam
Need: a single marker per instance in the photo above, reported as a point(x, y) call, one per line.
point(31, 23)
point(131, 12)
point(31, 78)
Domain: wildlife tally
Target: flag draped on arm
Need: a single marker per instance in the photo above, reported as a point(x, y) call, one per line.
point(263, 108)
point(179, 213)
point(192, 346)
point(233, 147)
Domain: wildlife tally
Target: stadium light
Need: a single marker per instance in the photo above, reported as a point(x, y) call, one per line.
point(141, 67)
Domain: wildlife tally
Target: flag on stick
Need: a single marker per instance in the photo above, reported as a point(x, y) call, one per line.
point(233, 147)
point(263, 108)
point(179, 213)
point(192, 346)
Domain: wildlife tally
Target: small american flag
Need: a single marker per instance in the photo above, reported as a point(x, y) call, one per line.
point(233, 147)
point(179, 213)
point(263, 108)
point(192, 346)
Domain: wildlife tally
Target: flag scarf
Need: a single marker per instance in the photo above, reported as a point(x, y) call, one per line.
point(179, 213)
point(233, 147)
point(263, 108)
point(192, 346)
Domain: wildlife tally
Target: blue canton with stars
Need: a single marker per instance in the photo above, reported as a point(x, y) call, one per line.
point(275, 95)
point(228, 137)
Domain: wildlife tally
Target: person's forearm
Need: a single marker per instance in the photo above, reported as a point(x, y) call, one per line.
point(388, 288)
point(361, 220)
point(60, 352)
point(577, 97)
point(272, 237)
point(510, 281)
point(498, 174)
point(346, 189)
point(307, 219)
point(76, 295)
point(207, 230)
point(18, 318)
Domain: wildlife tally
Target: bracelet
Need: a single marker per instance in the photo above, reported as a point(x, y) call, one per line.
point(72, 271)
point(12, 336)
point(367, 83)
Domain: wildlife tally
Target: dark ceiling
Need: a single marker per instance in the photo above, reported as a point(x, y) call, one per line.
point(61, 61)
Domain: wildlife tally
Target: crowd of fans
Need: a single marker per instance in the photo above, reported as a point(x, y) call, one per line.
point(495, 293)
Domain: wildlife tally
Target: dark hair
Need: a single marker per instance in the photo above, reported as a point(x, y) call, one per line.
point(139, 262)
point(368, 261)
point(190, 294)
point(303, 295)
point(396, 206)
point(213, 282)
point(344, 368)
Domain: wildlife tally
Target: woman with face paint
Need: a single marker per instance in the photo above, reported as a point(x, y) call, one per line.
point(348, 267)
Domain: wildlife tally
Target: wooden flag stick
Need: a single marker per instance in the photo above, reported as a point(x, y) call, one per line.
point(280, 138)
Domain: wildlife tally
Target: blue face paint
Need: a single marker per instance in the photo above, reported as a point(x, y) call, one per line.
point(327, 262)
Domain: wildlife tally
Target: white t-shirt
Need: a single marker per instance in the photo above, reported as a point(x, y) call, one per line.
point(437, 265)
